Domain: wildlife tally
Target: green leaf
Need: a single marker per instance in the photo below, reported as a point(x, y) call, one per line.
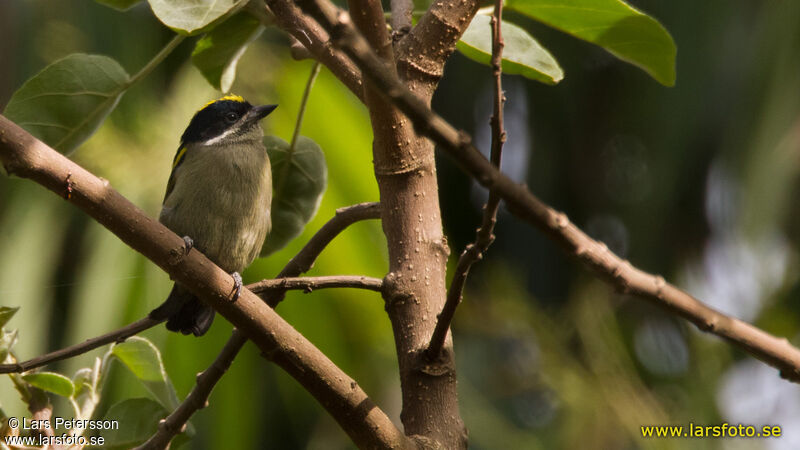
point(143, 359)
point(51, 382)
point(7, 341)
point(193, 16)
point(122, 5)
point(138, 419)
point(217, 53)
point(299, 179)
point(625, 32)
point(68, 100)
point(522, 54)
point(6, 313)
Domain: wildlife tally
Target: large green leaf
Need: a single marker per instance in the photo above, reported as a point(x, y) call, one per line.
point(143, 359)
point(612, 24)
point(522, 54)
point(299, 178)
point(68, 100)
point(193, 16)
point(122, 5)
point(138, 419)
point(51, 382)
point(217, 53)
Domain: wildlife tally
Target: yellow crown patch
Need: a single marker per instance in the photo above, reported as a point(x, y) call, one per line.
point(231, 97)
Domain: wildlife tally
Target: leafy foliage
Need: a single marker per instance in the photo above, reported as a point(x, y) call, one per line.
point(138, 417)
point(68, 100)
point(51, 382)
point(143, 359)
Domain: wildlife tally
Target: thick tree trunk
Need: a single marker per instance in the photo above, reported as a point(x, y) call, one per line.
point(416, 283)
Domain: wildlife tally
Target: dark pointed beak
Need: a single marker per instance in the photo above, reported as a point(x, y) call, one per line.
point(259, 112)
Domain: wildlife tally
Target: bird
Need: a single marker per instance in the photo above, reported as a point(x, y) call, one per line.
point(218, 198)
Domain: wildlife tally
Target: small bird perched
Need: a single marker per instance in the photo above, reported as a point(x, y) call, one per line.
point(218, 197)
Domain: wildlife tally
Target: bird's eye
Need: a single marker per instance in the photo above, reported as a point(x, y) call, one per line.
point(231, 117)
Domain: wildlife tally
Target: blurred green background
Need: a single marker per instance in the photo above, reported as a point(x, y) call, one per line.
point(695, 182)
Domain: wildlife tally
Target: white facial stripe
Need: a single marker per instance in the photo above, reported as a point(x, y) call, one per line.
point(219, 138)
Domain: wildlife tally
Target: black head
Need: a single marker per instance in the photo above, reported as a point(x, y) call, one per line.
point(221, 115)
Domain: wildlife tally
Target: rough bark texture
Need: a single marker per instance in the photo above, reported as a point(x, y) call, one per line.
point(422, 53)
point(415, 287)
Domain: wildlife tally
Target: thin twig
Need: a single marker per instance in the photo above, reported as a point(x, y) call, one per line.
point(288, 161)
point(596, 256)
point(485, 234)
point(156, 60)
point(79, 349)
point(261, 288)
point(197, 399)
point(303, 102)
point(302, 262)
point(308, 284)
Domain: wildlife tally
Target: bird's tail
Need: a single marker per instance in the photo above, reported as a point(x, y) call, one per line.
point(184, 312)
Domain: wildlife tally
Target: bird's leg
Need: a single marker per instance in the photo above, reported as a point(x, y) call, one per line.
point(188, 244)
point(237, 286)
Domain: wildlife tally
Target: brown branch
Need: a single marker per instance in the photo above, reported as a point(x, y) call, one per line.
point(368, 17)
point(368, 426)
point(260, 288)
point(485, 234)
point(118, 335)
point(498, 131)
point(406, 174)
point(197, 399)
point(308, 284)
point(421, 54)
point(302, 262)
point(596, 256)
point(289, 17)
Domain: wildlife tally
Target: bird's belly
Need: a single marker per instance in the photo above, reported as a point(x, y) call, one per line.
point(227, 220)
